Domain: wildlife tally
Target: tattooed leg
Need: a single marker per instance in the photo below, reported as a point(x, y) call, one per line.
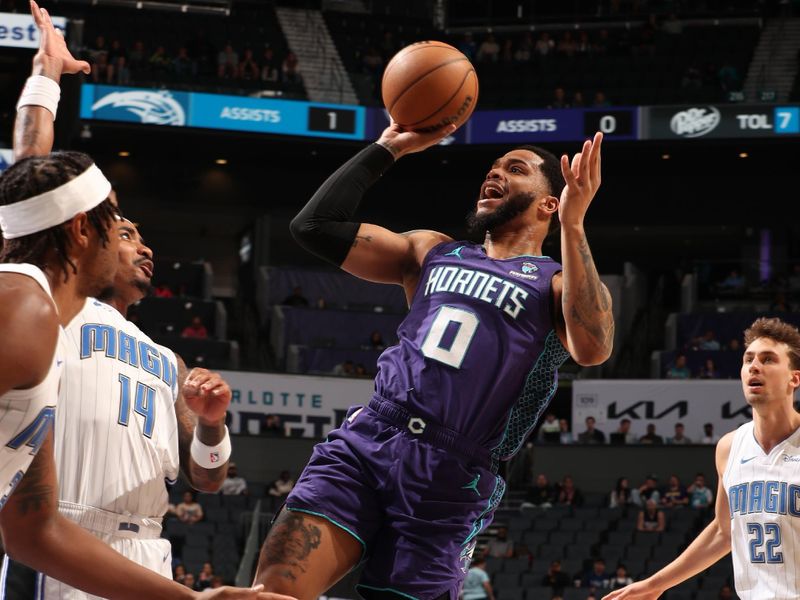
point(304, 555)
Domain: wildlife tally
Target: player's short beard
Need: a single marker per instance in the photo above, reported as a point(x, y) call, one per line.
point(512, 208)
point(110, 292)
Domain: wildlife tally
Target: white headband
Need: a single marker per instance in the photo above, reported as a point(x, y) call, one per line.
point(56, 206)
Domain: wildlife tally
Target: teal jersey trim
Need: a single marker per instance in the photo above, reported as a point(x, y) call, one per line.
point(494, 500)
point(539, 388)
point(386, 589)
point(339, 525)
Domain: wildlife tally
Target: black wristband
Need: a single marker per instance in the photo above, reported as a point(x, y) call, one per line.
point(324, 226)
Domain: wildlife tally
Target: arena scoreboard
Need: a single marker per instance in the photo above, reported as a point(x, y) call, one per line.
point(517, 126)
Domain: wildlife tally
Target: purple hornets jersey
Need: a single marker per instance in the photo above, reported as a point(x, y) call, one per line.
point(477, 352)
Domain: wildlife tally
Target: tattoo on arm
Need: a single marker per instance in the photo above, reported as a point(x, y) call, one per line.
point(289, 544)
point(34, 493)
point(591, 308)
point(364, 238)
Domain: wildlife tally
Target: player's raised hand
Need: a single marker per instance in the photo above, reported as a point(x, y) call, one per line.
point(206, 394)
point(400, 141)
point(232, 593)
point(641, 590)
point(52, 46)
point(583, 180)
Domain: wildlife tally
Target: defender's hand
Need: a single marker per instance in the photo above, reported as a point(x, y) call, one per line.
point(206, 394)
point(641, 590)
point(52, 47)
point(232, 593)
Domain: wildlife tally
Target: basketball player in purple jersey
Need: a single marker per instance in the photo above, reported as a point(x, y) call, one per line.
point(408, 481)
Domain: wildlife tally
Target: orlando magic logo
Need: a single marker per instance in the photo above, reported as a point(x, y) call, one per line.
point(152, 107)
point(528, 267)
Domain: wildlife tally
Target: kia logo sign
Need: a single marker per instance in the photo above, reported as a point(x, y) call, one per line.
point(694, 122)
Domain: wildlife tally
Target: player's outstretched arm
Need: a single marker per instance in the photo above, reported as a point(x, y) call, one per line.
point(203, 398)
point(585, 301)
point(713, 543)
point(325, 226)
point(35, 534)
point(33, 128)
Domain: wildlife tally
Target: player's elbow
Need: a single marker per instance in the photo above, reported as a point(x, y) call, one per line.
point(302, 229)
point(591, 357)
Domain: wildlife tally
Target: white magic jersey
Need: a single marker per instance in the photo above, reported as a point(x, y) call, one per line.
point(116, 430)
point(764, 498)
point(26, 415)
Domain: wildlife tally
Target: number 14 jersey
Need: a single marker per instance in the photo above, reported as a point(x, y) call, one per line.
point(478, 351)
point(116, 434)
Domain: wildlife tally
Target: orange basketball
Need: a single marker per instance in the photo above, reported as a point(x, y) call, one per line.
point(428, 85)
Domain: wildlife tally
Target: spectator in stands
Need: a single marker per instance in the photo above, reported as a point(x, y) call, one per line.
point(559, 99)
point(344, 369)
point(234, 484)
point(591, 435)
point(621, 495)
point(729, 78)
point(248, 67)
point(500, 546)
point(539, 495)
point(525, 49)
point(98, 57)
point(700, 496)
point(620, 579)
point(273, 427)
point(159, 62)
point(735, 345)
point(568, 494)
point(195, 329)
point(477, 585)
point(647, 491)
point(296, 298)
point(360, 371)
point(584, 44)
point(544, 45)
point(734, 281)
point(372, 61)
point(577, 100)
point(679, 438)
point(679, 370)
point(672, 25)
point(137, 60)
point(376, 341)
point(565, 436)
point(600, 100)
point(216, 582)
point(228, 63)
point(162, 290)
point(179, 573)
point(270, 71)
point(709, 437)
point(651, 519)
point(780, 304)
point(205, 576)
point(489, 50)
point(117, 63)
point(388, 44)
point(675, 495)
point(280, 488)
point(189, 511)
point(189, 581)
point(708, 370)
point(623, 434)
point(550, 429)
point(290, 70)
point(467, 46)
point(597, 578)
point(507, 53)
point(651, 437)
point(183, 66)
point(566, 45)
point(555, 578)
point(707, 341)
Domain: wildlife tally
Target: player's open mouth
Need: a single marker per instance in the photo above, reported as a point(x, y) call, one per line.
point(492, 190)
point(147, 269)
point(755, 384)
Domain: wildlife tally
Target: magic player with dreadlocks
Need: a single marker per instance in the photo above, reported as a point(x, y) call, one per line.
point(59, 247)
